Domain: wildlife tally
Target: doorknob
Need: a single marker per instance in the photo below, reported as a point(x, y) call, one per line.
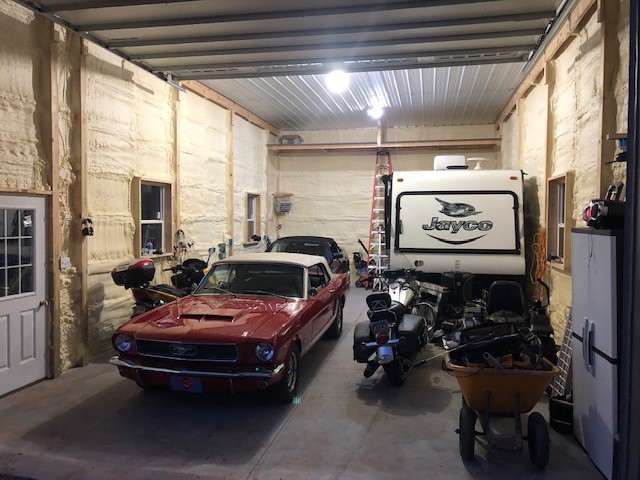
point(43, 303)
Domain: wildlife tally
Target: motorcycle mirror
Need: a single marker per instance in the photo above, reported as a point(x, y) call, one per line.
point(212, 250)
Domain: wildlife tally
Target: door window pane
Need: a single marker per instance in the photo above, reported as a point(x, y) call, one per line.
point(13, 252)
point(13, 280)
point(25, 251)
point(13, 223)
point(16, 252)
point(26, 284)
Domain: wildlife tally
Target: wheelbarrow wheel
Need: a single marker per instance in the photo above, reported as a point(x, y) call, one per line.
point(467, 439)
point(538, 438)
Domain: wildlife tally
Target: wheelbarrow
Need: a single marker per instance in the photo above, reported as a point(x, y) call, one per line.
point(492, 392)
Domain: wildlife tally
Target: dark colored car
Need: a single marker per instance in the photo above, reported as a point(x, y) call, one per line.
point(322, 246)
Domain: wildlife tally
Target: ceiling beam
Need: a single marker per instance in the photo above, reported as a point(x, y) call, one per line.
point(450, 22)
point(273, 15)
point(354, 58)
point(364, 68)
point(213, 96)
point(462, 144)
point(91, 4)
point(293, 47)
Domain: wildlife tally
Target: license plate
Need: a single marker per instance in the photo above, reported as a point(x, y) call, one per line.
point(379, 327)
point(186, 384)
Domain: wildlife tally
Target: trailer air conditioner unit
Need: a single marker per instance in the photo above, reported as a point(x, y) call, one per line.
point(282, 203)
point(447, 162)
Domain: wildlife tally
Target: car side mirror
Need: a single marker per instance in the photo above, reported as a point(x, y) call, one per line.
point(313, 291)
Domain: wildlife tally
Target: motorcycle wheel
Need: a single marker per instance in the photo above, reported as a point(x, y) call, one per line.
point(394, 373)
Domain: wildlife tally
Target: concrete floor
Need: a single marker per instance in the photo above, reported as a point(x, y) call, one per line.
point(92, 424)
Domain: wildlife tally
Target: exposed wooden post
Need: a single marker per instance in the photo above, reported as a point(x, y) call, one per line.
point(55, 363)
point(175, 208)
point(608, 13)
point(83, 268)
point(229, 182)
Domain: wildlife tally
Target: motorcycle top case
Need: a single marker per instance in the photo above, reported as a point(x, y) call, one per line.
point(134, 273)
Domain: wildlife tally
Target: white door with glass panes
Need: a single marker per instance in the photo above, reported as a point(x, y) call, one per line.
point(22, 291)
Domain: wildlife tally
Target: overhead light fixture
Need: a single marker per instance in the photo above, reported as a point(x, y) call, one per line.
point(375, 112)
point(337, 81)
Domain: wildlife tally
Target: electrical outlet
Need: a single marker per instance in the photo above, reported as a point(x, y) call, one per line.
point(65, 262)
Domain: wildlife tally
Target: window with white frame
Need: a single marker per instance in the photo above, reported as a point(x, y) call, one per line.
point(557, 221)
point(155, 223)
point(253, 218)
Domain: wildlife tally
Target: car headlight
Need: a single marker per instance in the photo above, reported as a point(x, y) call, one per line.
point(123, 343)
point(265, 351)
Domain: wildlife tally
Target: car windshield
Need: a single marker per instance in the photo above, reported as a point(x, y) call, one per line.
point(267, 279)
point(310, 248)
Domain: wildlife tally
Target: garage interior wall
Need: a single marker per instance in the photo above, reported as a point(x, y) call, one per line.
point(332, 192)
point(558, 127)
point(114, 123)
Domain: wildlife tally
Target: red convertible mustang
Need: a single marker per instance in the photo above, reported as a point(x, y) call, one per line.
point(244, 328)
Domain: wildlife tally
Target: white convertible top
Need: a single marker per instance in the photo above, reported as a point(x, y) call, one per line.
point(300, 259)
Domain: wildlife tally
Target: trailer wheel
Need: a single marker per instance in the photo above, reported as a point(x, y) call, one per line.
point(467, 439)
point(538, 438)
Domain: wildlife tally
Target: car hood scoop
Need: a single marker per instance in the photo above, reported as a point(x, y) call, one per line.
point(205, 317)
point(209, 315)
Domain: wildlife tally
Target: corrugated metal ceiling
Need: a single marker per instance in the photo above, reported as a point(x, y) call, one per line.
point(427, 63)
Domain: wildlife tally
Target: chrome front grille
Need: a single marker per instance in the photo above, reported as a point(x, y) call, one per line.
point(199, 352)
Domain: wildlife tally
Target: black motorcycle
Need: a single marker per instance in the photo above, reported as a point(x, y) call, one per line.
point(394, 336)
point(138, 274)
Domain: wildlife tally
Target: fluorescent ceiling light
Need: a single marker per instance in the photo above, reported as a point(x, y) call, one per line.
point(337, 81)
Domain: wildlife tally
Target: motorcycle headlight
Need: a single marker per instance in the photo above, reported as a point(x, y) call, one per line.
point(265, 352)
point(123, 343)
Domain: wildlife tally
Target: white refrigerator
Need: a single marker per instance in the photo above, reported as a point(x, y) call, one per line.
point(595, 271)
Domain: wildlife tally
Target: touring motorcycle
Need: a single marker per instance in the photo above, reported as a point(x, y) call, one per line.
point(400, 326)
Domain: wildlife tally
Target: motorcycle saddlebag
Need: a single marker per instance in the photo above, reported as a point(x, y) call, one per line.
point(411, 327)
point(134, 273)
point(361, 334)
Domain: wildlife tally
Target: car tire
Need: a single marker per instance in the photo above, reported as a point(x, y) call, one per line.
point(335, 330)
point(394, 373)
point(285, 390)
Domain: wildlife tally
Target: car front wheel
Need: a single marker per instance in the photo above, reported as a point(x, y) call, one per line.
point(285, 390)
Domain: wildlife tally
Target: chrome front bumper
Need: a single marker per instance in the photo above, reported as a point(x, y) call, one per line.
point(266, 373)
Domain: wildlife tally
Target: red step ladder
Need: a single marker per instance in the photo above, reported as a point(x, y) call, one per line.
point(378, 258)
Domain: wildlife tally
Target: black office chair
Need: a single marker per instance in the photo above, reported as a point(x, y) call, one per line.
point(505, 303)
